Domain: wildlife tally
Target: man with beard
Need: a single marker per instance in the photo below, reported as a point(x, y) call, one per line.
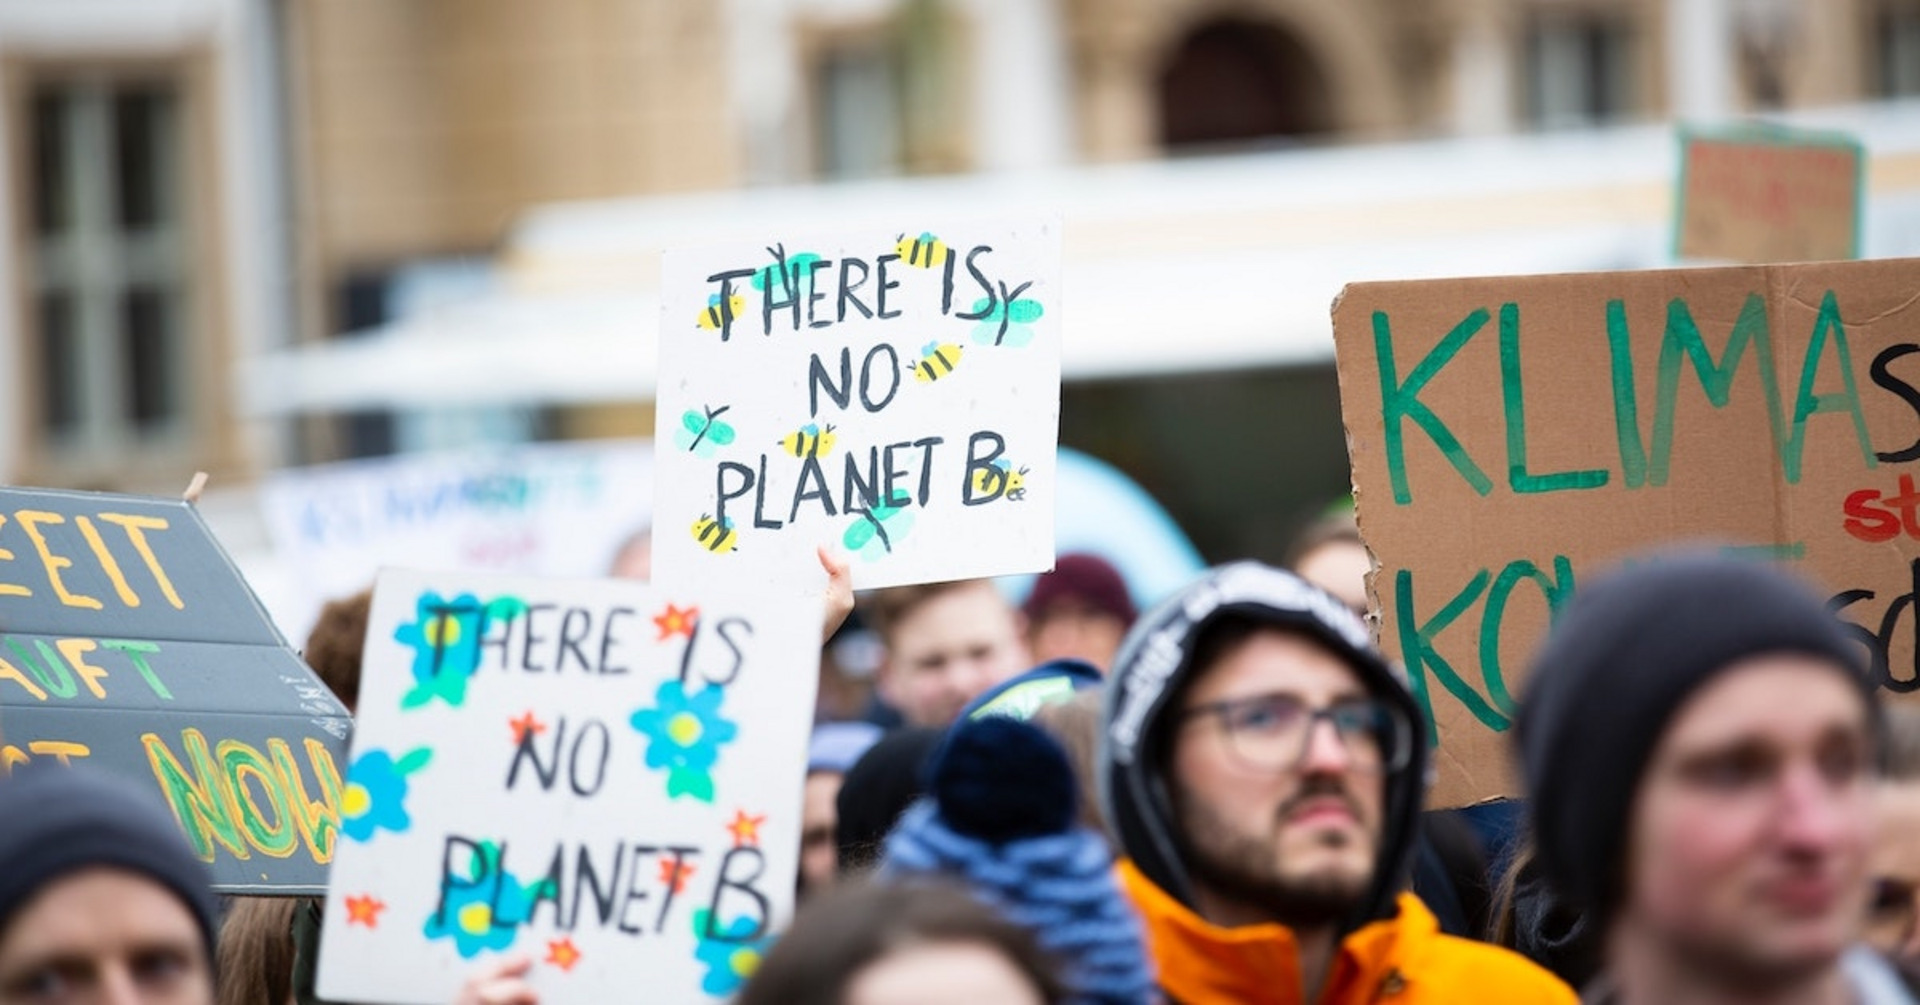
point(1263, 768)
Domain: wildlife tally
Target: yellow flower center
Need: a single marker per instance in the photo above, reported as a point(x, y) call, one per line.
point(356, 801)
point(684, 728)
point(475, 919)
point(745, 961)
point(442, 631)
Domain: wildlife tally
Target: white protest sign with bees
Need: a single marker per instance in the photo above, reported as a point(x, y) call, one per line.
point(894, 395)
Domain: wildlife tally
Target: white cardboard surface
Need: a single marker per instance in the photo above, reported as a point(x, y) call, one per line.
point(791, 413)
point(596, 771)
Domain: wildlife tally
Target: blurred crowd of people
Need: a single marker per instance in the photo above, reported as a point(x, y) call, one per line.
point(1220, 798)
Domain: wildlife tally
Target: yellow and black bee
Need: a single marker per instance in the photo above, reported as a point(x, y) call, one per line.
point(712, 317)
point(809, 441)
point(923, 252)
point(714, 535)
point(1012, 482)
point(937, 359)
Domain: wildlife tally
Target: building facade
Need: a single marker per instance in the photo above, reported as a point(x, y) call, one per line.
point(189, 182)
point(144, 223)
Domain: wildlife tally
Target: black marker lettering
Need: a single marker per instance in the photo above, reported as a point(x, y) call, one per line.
point(725, 279)
point(880, 298)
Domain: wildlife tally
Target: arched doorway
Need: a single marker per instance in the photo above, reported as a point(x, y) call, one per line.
point(1235, 81)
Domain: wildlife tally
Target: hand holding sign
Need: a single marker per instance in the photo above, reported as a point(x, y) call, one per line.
point(501, 983)
point(839, 592)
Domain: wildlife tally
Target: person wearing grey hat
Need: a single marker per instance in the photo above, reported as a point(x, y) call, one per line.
point(101, 899)
point(1699, 741)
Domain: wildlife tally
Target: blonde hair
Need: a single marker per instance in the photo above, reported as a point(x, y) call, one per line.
point(1076, 724)
point(883, 610)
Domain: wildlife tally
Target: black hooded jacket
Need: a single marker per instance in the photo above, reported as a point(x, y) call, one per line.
point(1155, 663)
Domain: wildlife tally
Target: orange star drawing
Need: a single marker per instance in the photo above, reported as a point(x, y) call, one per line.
point(562, 953)
point(524, 726)
point(676, 621)
point(364, 910)
point(675, 873)
point(746, 829)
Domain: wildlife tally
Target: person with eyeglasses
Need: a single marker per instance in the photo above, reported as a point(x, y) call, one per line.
point(1262, 768)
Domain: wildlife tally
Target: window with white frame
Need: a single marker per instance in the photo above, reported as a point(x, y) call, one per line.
point(1579, 68)
point(109, 251)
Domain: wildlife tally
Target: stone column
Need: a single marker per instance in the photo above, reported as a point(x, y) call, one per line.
point(1699, 59)
point(1481, 52)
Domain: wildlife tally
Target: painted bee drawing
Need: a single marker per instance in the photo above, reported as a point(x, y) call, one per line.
point(808, 441)
point(923, 252)
point(937, 359)
point(1011, 483)
point(715, 317)
point(714, 535)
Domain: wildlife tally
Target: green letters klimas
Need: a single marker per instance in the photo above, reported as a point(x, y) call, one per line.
point(1773, 411)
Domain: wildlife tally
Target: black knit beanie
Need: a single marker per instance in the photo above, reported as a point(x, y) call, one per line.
point(877, 789)
point(56, 820)
point(1621, 659)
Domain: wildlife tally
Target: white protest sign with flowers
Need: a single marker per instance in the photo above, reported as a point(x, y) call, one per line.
point(598, 774)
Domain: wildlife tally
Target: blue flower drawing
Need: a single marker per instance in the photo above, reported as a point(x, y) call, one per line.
point(731, 956)
point(375, 796)
point(684, 735)
point(483, 916)
point(445, 638)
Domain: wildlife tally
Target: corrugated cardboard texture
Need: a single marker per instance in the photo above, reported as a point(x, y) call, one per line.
point(1512, 436)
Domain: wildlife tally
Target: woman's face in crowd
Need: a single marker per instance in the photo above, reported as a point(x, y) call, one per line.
point(942, 973)
point(1753, 824)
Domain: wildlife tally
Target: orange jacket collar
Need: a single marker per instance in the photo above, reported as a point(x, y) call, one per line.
point(1201, 963)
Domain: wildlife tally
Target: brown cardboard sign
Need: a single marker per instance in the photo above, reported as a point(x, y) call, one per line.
point(1769, 195)
point(1513, 436)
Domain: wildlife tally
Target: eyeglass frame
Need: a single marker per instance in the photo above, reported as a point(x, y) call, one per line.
point(1390, 761)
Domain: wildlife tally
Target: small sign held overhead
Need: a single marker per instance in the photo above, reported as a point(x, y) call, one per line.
point(894, 395)
point(1769, 194)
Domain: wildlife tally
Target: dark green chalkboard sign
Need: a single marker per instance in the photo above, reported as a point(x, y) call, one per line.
point(129, 641)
